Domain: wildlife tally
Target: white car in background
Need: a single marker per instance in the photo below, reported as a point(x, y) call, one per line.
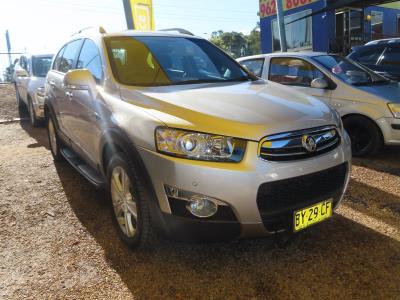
point(368, 103)
point(29, 77)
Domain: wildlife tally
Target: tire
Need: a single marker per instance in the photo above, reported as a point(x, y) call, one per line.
point(20, 104)
point(127, 200)
point(54, 140)
point(32, 115)
point(366, 138)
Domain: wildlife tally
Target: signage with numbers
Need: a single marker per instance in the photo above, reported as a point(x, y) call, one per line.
point(142, 12)
point(268, 7)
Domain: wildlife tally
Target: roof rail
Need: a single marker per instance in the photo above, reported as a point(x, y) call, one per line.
point(179, 30)
point(100, 29)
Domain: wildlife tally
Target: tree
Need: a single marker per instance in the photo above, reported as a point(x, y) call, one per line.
point(8, 74)
point(237, 44)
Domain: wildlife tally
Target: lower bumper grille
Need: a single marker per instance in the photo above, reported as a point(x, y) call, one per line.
point(278, 200)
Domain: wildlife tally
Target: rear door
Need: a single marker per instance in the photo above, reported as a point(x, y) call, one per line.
point(298, 74)
point(88, 109)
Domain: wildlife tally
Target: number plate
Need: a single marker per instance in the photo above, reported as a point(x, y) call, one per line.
point(312, 215)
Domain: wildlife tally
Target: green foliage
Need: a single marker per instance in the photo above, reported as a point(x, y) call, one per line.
point(8, 74)
point(237, 44)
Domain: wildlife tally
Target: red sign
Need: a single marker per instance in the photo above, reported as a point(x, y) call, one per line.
point(268, 7)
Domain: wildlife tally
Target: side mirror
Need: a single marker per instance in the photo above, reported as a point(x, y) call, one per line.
point(21, 73)
point(319, 83)
point(80, 79)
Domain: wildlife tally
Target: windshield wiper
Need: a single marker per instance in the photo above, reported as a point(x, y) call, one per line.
point(242, 78)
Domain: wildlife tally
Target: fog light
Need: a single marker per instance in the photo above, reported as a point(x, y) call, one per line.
point(202, 207)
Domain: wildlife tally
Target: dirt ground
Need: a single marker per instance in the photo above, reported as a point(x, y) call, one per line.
point(57, 240)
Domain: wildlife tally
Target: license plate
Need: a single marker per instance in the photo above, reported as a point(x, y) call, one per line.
point(311, 215)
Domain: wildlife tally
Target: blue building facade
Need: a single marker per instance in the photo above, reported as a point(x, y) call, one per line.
point(335, 30)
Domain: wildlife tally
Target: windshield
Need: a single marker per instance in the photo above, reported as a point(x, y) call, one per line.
point(153, 61)
point(41, 65)
point(349, 71)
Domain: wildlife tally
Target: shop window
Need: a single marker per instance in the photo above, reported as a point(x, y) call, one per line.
point(376, 24)
point(298, 34)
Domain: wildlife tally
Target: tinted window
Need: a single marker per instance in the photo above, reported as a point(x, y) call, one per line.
point(69, 55)
point(89, 58)
point(368, 57)
point(293, 71)
point(41, 65)
point(349, 71)
point(151, 61)
point(254, 65)
point(391, 57)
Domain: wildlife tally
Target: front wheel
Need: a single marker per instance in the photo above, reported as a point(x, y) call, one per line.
point(130, 210)
point(365, 135)
point(54, 141)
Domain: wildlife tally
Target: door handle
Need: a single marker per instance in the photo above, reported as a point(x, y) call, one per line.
point(52, 82)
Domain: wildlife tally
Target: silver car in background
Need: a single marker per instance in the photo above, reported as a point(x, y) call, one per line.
point(368, 103)
point(185, 140)
point(29, 77)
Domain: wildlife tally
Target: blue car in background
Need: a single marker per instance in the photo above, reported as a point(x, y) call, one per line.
point(382, 56)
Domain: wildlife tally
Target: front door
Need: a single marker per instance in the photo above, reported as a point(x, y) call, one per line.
point(298, 74)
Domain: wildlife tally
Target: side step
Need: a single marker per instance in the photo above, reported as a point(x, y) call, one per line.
point(87, 171)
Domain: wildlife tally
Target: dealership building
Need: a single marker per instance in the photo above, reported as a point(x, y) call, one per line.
point(327, 25)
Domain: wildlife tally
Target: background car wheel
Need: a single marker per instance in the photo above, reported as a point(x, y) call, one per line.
point(54, 140)
point(32, 115)
point(366, 138)
point(20, 104)
point(130, 210)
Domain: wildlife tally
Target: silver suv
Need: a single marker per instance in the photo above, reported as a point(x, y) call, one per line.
point(29, 77)
point(187, 142)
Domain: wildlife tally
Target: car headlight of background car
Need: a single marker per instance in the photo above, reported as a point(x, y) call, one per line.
point(40, 94)
point(199, 146)
point(395, 109)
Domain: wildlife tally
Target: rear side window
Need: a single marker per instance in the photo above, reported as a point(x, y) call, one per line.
point(293, 71)
point(89, 58)
point(368, 57)
point(254, 65)
point(391, 57)
point(68, 58)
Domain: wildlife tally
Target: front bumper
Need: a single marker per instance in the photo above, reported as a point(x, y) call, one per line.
point(390, 128)
point(236, 184)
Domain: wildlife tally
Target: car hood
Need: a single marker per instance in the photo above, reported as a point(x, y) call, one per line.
point(249, 110)
point(389, 92)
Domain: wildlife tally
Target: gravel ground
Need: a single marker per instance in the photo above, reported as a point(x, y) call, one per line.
point(57, 240)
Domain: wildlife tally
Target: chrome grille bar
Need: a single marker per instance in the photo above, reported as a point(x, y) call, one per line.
point(299, 144)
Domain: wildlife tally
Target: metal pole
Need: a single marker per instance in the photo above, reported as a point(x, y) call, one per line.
point(281, 25)
point(128, 14)
point(8, 47)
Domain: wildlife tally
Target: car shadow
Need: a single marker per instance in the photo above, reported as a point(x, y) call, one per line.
point(387, 160)
point(39, 134)
point(334, 259)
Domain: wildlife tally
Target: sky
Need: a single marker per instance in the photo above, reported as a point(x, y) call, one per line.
point(43, 25)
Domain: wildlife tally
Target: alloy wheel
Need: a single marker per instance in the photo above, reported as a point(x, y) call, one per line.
point(124, 204)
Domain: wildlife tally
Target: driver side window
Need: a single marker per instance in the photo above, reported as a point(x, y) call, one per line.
point(293, 71)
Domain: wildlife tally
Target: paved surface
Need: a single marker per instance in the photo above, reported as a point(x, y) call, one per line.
point(57, 240)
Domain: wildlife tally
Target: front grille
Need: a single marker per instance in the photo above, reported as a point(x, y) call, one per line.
point(299, 144)
point(278, 200)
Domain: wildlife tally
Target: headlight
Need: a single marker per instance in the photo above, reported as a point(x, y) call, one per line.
point(40, 93)
point(200, 146)
point(395, 109)
point(339, 120)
